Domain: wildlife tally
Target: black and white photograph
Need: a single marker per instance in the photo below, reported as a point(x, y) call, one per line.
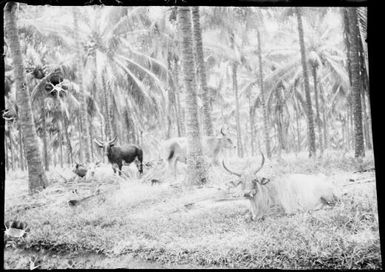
point(187, 137)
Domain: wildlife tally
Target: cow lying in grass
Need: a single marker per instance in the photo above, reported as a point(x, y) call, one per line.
point(288, 194)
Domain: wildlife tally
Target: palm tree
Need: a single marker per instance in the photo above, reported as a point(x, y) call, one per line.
point(229, 22)
point(37, 179)
point(207, 123)
point(311, 134)
point(263, 99)
point(356, 84)
point(86, 143)
point(315, 64)
point(195, 162)
point(122, 69)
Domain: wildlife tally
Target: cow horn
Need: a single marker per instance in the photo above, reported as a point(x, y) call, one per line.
point(263, 162)
point(98, 142)
point(222, 132)
point(227, 169)
point(113, 140)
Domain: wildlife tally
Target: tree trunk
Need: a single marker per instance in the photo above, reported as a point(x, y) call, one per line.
point(37, 179)
point(234, 68)
point(311, 133)
point(279, 122)
point(325, 129)
point(44, 130)
point(318, 121)
point(366, 120)
point(297, 116)
point(86, 139)
point(92, 156)
point(68, 141)
point(359, 150)
point(80, 151)
point(60, 136)
point(207, 123)
point(180, 112)
point(196, 173)
point(6, 153)
point(11, 151)
point(20, 148)
point(369, 120)
point(263, 104)
point(252, 131)
point(107, 106)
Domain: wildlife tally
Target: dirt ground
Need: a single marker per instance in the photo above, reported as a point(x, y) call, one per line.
point(21, 259)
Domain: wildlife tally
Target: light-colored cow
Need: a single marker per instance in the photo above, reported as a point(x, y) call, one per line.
point(287, 194)
point(175, 149)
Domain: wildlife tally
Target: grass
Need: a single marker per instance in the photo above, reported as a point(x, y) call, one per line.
point(157, 224)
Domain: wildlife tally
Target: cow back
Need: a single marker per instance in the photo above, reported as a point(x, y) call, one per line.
point(127, 153)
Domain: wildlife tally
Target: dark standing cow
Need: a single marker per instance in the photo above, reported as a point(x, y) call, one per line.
point(118, 154)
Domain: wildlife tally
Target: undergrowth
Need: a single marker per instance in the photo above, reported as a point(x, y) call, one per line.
point(171, 225)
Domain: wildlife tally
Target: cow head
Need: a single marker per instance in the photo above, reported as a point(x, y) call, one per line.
point(226, 141)
point(106, 145)
point(92, 168)
point(249, 181)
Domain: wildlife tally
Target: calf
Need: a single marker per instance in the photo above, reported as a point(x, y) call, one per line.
point(118, 154)
point(87, 171)
point(175, 149)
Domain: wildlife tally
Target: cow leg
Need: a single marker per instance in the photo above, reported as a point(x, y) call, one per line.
point(175, 169)
point(140, 159)
point(140, 165)
point(120, 168)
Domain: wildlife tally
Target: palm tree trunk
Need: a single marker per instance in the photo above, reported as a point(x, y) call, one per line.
point(67, 137)
point(263, 104)
point(356, 85)
point(107, 107)
point(207, 123)
point(80, 151)
point(12, 153)
point(44, 130)
point(37, 179)
point(60, 136)
point(366, 121)
point(297, 116)
point(252, 131)
point(86, 139)
point(311, 134)
point(6, 153)
point(180, 112)
point(234, 67)
point(369, 121)
point(20, 148)
point(314, 70)
point(196, 173)
point(325, 132)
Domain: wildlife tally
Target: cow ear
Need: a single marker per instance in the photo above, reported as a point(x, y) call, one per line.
point(264, 181)
point(254, 182)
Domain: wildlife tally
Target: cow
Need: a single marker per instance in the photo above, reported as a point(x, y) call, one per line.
point(87, 171)
point(175, 149)
point(117, 154)
point(286, 194)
